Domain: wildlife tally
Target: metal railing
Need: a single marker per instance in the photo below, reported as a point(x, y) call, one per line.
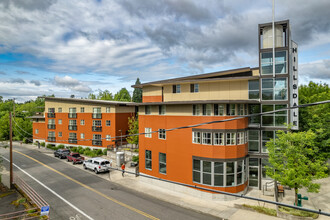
point(51, 139)
point(51, 126)
point(72, 127)
point(97, 128)
point(51, 115)
point(97, 115)
point(97, 142)
point(72, 115)
point(72, 140)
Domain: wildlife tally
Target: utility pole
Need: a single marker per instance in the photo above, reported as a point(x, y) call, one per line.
point(11, 149)
point(14, 108)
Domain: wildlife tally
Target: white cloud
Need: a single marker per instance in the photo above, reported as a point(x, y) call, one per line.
point(72, 84)
point(317, 71)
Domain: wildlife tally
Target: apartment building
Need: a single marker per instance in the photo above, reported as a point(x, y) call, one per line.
point(82, 122)
point(231, 155)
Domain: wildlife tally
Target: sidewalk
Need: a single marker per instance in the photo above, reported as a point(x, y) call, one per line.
point(221, 209)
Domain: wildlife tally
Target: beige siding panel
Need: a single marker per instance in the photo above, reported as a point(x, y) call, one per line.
point(152, 91)
point(255, 72)
point(183, 110)
point(244, 90)
point(88, 106)
point(234, 90)
point(124, 109)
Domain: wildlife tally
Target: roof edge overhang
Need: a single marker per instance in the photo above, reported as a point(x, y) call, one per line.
point(84, 100)
point(199, 102)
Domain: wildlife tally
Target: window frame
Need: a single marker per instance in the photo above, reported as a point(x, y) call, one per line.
point(194, 88)
point(147, 110)
point(162, 163)
point(204, 138)
point(198, 137)
point(108, 123)
point(146, 131)
point(162, 134)
point(148, 159)
point(220, 140)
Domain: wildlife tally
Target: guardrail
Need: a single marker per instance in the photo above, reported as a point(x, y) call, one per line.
point(34, 197)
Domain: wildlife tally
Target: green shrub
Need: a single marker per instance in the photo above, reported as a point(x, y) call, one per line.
point(87, 151)
point(105, 152)
point(74, 149)
point(50, 146)
point(42, 144)
point(60, 146)
point(136, 150)
point(26, 140)
point(135, 159)
point(99, 152)
point(87, 148)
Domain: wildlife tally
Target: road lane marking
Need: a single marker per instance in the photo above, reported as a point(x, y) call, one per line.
point(90, 188)
point(50, 190)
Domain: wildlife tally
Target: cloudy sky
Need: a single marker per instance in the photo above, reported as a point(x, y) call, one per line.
point(77, 47)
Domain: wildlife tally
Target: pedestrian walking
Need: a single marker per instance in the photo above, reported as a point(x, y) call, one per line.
point(38, 144)
point(123, 169)
point(137, 172)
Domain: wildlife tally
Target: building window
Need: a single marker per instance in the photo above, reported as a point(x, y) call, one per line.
point(218, 174)
point(196, 109)
point(219, 109)
point(230, 173)
point(253, 89)
point(207, 138)
point(239, 172)
point(72, 122)
point(51, 133)
point(231, 139)
point(274, 119)
point(207, 172)
point(264, 163)
point(266, 137)
point(60, 133)
point(218, 138)
point(177, 88)
point(196, 137)
point(107, 123)
point(197, 171)
point(162, 163)
point(37, 131)
point(97, 123)
point(82, 122)
point(194, 88)
point(107, 109)
point(82, 109)
point(240, 109)
point(231, 109)
point(253, 172)
point(148, 160)
point(108, 137)
point(254, 109)
point(162, 110)
point(253, 140)
point(267, 63)
point(161, 134)
point(82, 136)
point(240, 137)
point(207, 109)
point(59, 121)
point(147, 109)
point(246, 136)
point(147, 132)
point(73, 138)
point(97, 112)
point(51, 110)
point(72, 110)
point(274, 89)
point(59, 109)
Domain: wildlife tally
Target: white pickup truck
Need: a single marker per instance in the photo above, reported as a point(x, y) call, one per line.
point(97, 164)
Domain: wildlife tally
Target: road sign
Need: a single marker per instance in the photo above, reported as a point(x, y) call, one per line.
point(44, 210)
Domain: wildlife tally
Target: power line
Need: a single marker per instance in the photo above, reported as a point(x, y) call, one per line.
point(200, 124)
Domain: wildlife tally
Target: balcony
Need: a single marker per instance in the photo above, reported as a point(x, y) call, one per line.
point(51, 115)
point(72, 140)
point(72, 115)
point(51, 139)
point(97, 115)
point(51, 126)
point(97, 142)
point(72, 127)
point(96, 128)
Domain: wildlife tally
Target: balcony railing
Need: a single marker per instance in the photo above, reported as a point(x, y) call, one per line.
point(72, 140)
point(97, 142)
point(97, 115)
point(96, 128)
point(72, 115)
point(51, 115)
point(51, 126)
point(51, 139)
point(72, 127)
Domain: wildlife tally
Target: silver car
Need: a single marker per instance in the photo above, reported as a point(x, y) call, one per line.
point(97, 164)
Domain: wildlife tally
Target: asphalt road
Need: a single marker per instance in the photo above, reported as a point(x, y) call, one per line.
point(95, 196)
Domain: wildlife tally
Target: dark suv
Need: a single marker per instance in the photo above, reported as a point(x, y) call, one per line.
point(61, 153)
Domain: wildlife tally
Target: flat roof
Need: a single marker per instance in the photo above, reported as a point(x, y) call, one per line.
point(202, 77)
point(37, 117)
point(85, 100)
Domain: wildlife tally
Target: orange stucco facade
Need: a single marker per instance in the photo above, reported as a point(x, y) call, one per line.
point(157, 98)
point(180, 150)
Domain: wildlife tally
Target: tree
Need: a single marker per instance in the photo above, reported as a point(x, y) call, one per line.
point(133, 128)
point(91, 96)
point(105, 95)
point(316, 118)
point(123, 95)
point(137, 93)
point(293, 161)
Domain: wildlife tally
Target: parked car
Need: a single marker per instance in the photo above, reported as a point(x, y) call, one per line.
point(75, 158)
point(97, 164)
point(61, 153)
